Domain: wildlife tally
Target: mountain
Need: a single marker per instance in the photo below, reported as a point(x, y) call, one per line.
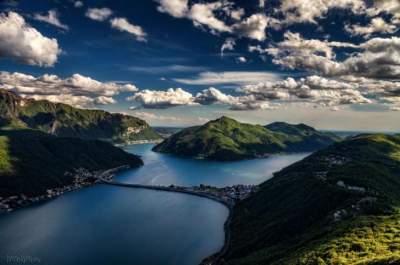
point(66, 121)
point(32, 162)
point(338, 206)
point(228, 139)
point(311, 139)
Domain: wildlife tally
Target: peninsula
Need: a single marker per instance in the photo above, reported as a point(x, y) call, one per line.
point(228, 139)
point(36, 166)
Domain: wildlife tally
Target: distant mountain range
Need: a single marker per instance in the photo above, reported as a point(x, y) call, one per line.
point(338, 206)
point(228, 139)
point(66, 121)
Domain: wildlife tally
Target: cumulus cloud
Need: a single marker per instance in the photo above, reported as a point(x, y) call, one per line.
point(176, 8)
point(301, 11)
point(298, 53)
point(252, 27)
point(99, 14)
point(387, 6)
point(236, 78)
point(178, 97)
point(377, 25)
point(162, 99)
point(122, 24)
point(205, 15)
point(52, 18)
point(23, 43)
point(314, 89)
point(246, 102)
point(213, 95)
point(377, 57)
point(76, 90)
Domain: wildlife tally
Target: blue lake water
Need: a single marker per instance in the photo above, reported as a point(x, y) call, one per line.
point(162, 169)
point(116, 225)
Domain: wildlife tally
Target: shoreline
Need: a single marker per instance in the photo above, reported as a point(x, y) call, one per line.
point(153, 141)
point(21, 201)
point(215, 258)
point(105, 177)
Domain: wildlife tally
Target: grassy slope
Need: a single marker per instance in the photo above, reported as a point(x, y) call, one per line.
point(227, 139)
point(64, 120)
point(291, 219)
point(31, 161)
point(308, 138)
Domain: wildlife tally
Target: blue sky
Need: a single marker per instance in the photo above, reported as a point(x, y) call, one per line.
point(332, 64)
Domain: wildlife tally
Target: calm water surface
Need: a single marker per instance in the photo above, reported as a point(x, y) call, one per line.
point(162, 169)
point(115, 225)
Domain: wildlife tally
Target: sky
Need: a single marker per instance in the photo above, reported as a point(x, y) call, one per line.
point(333, 64)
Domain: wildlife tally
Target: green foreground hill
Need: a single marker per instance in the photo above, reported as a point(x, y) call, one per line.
point(338, 206)
point(32, 162)
point(66, 121)
point(228, 139)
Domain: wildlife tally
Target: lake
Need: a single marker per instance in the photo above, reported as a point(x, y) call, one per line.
point(164, 169)
point(116, 225)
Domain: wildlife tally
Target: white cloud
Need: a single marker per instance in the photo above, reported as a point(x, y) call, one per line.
point(316, 91)
point(174, 68)
point(153, 117)
point(52, 18)
point(103, 100)
point(377, 25)
point(218, 78)
point(312, 55)
point(208, 15)
point(228, 45)
point(377, 57)
point(21, 42)
point(300, 11)
point(162, 99)
point(176, 8)
point(203, 14)
point(385, 6)
point(252, 27)
point(178, 97)
point(51, 87)
point(99, 14)
point(78, 4)
point(73, 100)
point(312, 89)
point(213, 95)
point(241, 59)
point(236, 14)
point(122, 24)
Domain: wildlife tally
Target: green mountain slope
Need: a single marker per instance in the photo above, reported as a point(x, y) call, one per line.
point(337, 206)
point(66, 121)
point(228, 139)
point(32, 162)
